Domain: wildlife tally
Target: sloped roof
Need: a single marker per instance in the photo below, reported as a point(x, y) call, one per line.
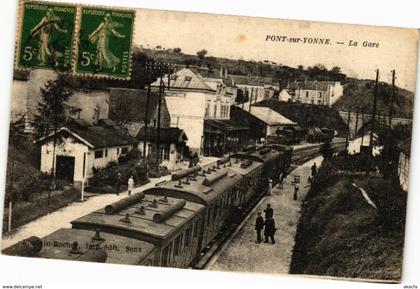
point(310, 85)
point(136, 99)
point(268, 115)
point(95, 136)
point(185, 78)
point(169, 134)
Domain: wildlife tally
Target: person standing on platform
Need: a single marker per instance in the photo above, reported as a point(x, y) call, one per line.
point(268, 212)
point(281, 181)
point(269, 230)
point(130, 185)
point(270, 186)
point(313, 170)
point(296, 188)
point(259, 225)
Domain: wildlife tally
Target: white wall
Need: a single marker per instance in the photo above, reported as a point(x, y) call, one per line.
point(69, 147)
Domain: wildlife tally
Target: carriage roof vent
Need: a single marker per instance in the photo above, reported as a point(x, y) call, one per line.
point(123, 204)
point(168, 211)
point(214, 178)
point(181, 174)
point(265, 151)
point(223, 161)
point(246, 164)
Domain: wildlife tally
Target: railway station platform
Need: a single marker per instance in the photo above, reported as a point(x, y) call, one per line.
point(241, 253)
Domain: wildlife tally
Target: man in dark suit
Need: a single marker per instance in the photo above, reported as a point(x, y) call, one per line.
point(269, 230)
point(268, 211)
point(259, 225)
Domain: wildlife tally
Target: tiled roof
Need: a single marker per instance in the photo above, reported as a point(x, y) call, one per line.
point(170, 134)
point(95, 136)
point(185, 78)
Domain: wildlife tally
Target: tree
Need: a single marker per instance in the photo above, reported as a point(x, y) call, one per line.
point(202, 54)
point(121, 112)
point(52, 109)
point(177, 50)
point(52, 115)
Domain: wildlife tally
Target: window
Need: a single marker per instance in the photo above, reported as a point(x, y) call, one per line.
point(164, 153)
point(208, 216)
point(118, 151)
point(124, 150)
point(307, 94)
point(178, 245)
point(166, 255)
point(267, 94)
point(320, 94)
point(187, 238)
point(99, 154)
point(106, 153)
point(215, 110)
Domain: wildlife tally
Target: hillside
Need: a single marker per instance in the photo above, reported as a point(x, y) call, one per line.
point(308, 115)
point(359, 93)
point(341, 235)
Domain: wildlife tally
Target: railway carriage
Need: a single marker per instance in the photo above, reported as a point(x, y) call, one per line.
point(86, 245)
point(170, 224)
point(215, 186)
point(173, 223)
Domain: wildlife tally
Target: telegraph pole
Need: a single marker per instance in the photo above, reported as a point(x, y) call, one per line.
point(357, 122)
point(146, 119)
point(250, 101)
point(348, 130)
point(363, 129)
point(161, 92)
point(375, 95)
point(391, 107)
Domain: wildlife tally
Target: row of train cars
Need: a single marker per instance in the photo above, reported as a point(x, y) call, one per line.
point(171, 224)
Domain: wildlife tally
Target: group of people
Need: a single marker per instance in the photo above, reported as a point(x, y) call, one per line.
point(268, 225)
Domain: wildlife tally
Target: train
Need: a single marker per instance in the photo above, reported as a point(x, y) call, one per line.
point(172, 224)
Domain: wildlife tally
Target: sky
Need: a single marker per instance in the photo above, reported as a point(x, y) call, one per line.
point(245, 37)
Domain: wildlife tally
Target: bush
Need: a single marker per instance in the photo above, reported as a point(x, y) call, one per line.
point(116, 175)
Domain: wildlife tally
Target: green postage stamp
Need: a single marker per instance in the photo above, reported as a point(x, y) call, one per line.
point(47, 36)
point(104, 43)
point(82, 40)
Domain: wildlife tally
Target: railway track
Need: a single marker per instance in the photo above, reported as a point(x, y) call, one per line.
point(300, 156)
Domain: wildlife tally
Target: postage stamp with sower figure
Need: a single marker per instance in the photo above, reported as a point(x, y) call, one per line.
point(46, 39)
point(104, 42)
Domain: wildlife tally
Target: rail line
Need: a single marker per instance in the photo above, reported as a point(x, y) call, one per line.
point(299, 157)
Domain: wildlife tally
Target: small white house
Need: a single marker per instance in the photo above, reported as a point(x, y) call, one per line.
point(80, 147)
point(172, 142)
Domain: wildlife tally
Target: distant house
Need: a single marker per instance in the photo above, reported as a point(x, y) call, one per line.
point(257, 88)
point(261, 121)
point(83, 147)
point(192, 103)
point(314, 92)
point(172, 144)
point(404, 164)
point(85, 104)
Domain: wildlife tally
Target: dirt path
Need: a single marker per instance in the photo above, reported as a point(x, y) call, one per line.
point(243, 254)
